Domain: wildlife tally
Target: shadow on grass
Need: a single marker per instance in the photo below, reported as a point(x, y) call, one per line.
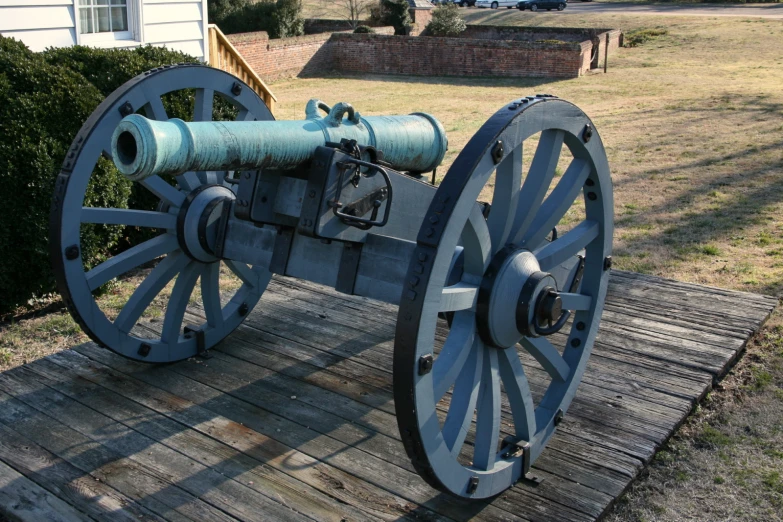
point(446, 81)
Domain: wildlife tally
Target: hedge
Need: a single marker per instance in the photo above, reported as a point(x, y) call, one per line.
point(280, 18)
point(44, 99)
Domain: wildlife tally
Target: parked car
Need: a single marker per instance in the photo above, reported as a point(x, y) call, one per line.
point(494, 4)
point(465, 3)
point(535, 5)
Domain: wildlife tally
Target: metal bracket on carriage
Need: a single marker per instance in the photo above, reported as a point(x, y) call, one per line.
point(521, 449)
point(351, 213)
point(201, 349)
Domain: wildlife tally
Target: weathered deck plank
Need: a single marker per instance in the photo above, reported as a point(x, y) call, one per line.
point(293, 418)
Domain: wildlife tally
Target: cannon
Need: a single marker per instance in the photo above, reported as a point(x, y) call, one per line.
point(504, 262)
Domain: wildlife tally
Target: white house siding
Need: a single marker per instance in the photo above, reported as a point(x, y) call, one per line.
point(38, 23)
point(177, 24)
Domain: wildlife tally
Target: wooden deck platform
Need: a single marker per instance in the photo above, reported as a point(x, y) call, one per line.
point(293, 419)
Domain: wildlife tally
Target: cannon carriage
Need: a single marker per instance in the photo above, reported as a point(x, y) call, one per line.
point(343, 200)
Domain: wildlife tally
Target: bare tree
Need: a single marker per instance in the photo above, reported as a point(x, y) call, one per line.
point(354, 11)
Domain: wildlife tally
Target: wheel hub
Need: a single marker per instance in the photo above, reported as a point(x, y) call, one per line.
point(515, 296)
point(198, 219)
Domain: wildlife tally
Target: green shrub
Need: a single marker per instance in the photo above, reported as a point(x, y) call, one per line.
point(219, 9)
point(42, 106)
point(44, 99)
point(281, 18)
point(446, 21)
point(393, 13)
point(364, 29)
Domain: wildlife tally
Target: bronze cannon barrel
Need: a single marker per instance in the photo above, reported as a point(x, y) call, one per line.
point(143, 147)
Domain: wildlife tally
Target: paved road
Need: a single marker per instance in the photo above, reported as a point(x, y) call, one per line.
point(755, 10)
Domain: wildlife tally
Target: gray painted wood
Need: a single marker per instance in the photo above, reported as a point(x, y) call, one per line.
point(91, 435)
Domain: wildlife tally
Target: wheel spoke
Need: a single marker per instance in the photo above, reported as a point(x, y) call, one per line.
point(539, 177)
point(547, 356)
point(154, 109)
point(576, 301)
point(163, 190)
point(128, 217)
point(245, 115)
point(178, 302)
point(518, 392)
point(488, 416)
point(202, 110)
point(552, 254)
point(130, 259)
point(454, 353)
point(461, 296)
point(557, 204)
point(148, 289)
point(188, 181)
point(477, 245)
point(210, 294)
point(243, 272)
point(463, 400)
point(508, 179)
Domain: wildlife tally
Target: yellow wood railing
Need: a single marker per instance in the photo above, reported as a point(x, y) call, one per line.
point(223, 56)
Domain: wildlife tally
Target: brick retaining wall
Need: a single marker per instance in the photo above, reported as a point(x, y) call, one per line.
point(480, 51)
point(427, 56)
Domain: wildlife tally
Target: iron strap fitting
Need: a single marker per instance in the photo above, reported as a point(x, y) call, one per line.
point(521, 449)
point(371, 201)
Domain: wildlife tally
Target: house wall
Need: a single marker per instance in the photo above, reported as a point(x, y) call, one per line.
point(177, 24)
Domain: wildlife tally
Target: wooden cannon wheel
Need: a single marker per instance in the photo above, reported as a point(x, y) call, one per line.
point(521, 290)
point(183, 257)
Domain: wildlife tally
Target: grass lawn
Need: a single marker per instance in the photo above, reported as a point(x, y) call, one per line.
point(693, 126)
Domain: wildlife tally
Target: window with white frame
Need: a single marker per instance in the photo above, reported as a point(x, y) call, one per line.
point(101, 20)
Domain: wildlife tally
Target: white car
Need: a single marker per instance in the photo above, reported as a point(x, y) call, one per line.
point(494, 4)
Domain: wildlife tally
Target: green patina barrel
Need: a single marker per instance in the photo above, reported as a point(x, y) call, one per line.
point(143, 147)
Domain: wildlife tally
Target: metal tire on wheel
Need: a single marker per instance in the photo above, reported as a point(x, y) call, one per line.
point(180, 252)
point(560, 7)
point(515, 271)
point(494, 5)
point(533, 7)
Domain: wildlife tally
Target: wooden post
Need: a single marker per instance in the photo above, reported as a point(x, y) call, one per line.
point(606, 53)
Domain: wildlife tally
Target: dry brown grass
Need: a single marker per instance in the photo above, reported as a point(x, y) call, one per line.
point(692, 126)
point(726, 462)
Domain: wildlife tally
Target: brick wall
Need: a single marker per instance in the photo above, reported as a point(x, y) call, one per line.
point(501, 52)
point(427, 56)
point(284, 57)
point(288, 57)
point(420, 17)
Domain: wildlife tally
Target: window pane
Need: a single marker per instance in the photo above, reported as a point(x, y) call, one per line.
point(85, 2)
point(102, 20)
point(119, 19)
point(101, 2)
point(118, 2)
point(85, 21)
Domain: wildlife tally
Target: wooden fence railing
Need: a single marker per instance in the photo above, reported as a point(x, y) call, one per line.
point(223, 56)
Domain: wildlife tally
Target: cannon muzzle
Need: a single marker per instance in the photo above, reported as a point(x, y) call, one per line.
point(143, 147)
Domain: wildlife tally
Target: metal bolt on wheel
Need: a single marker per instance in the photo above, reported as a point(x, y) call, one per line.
point(181, 253)
point(522, 294)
